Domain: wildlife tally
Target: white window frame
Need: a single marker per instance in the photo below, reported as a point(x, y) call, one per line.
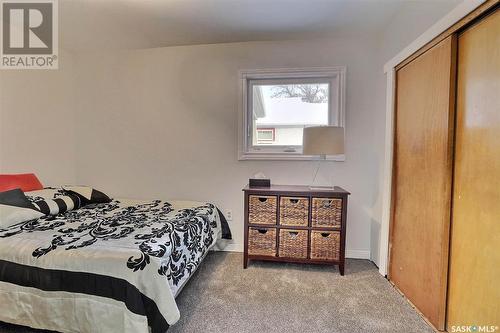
point(245, 151)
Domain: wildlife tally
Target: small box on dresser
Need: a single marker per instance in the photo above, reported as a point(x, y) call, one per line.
point(292, 223)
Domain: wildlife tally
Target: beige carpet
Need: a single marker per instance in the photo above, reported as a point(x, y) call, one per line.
point(275, 297)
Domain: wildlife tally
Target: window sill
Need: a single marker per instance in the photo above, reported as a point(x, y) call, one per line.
point(286, 157)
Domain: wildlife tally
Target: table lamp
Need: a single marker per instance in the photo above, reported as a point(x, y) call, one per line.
point(322, 141)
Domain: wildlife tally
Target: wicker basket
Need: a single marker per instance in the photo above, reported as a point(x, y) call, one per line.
point(293, 243)
point(326, 212)
point(262, 241)
point(325, 245)
point(294, 211)
point(262, 209)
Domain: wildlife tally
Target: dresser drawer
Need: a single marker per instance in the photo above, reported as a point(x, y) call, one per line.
point(293, 243)
point(326, 212)
point(262, 241)
point(262, 209)
point(325, 245)
point(294, 211)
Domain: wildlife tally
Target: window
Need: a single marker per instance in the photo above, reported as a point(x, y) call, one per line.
point(278, 104)
point(265, 135)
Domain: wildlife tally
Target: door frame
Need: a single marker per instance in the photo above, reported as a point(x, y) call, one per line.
point(459, 17)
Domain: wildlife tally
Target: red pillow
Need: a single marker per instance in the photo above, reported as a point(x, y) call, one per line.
point(26, 182)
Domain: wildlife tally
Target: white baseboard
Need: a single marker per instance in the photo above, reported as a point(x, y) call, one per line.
point(358, 254)
point(233, 248)
point(353, 254)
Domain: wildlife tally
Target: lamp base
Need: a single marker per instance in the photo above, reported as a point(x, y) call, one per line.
point(321, 188)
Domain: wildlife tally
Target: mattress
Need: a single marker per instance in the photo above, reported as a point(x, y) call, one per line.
point(111, 267)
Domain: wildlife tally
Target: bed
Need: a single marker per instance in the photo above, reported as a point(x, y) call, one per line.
point(104, 267)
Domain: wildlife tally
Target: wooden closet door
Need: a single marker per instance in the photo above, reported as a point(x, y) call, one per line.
point(422, 177)
point(474, 293)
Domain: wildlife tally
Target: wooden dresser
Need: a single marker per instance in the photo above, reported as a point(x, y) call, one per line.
point(295, 224)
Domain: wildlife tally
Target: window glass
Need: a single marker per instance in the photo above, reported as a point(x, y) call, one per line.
point(288, 108)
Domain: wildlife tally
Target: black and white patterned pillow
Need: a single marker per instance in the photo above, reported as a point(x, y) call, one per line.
point(54, 201)
point(46, 193)
point(87, 195)
point(16, 208)
point(58, 205)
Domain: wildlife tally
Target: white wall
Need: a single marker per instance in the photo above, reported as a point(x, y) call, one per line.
point(37, 132)
point(162, 123)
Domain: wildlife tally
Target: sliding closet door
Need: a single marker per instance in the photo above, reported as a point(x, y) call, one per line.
point(422, 179)
point(474, 293)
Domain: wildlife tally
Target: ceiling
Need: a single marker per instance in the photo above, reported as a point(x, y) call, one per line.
point(116, 24)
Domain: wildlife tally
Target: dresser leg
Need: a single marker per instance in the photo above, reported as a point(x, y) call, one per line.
point(341, 269)
point(245, 262)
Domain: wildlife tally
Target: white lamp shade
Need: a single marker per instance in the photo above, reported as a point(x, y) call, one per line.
point(323, 140)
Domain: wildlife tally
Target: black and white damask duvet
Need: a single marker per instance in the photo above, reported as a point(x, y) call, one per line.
point(114, 267)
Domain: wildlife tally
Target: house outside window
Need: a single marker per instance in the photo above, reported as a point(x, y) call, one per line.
point(278, 104)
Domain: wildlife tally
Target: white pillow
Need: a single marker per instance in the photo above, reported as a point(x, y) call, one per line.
point(11, 215)
point(16, 208)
